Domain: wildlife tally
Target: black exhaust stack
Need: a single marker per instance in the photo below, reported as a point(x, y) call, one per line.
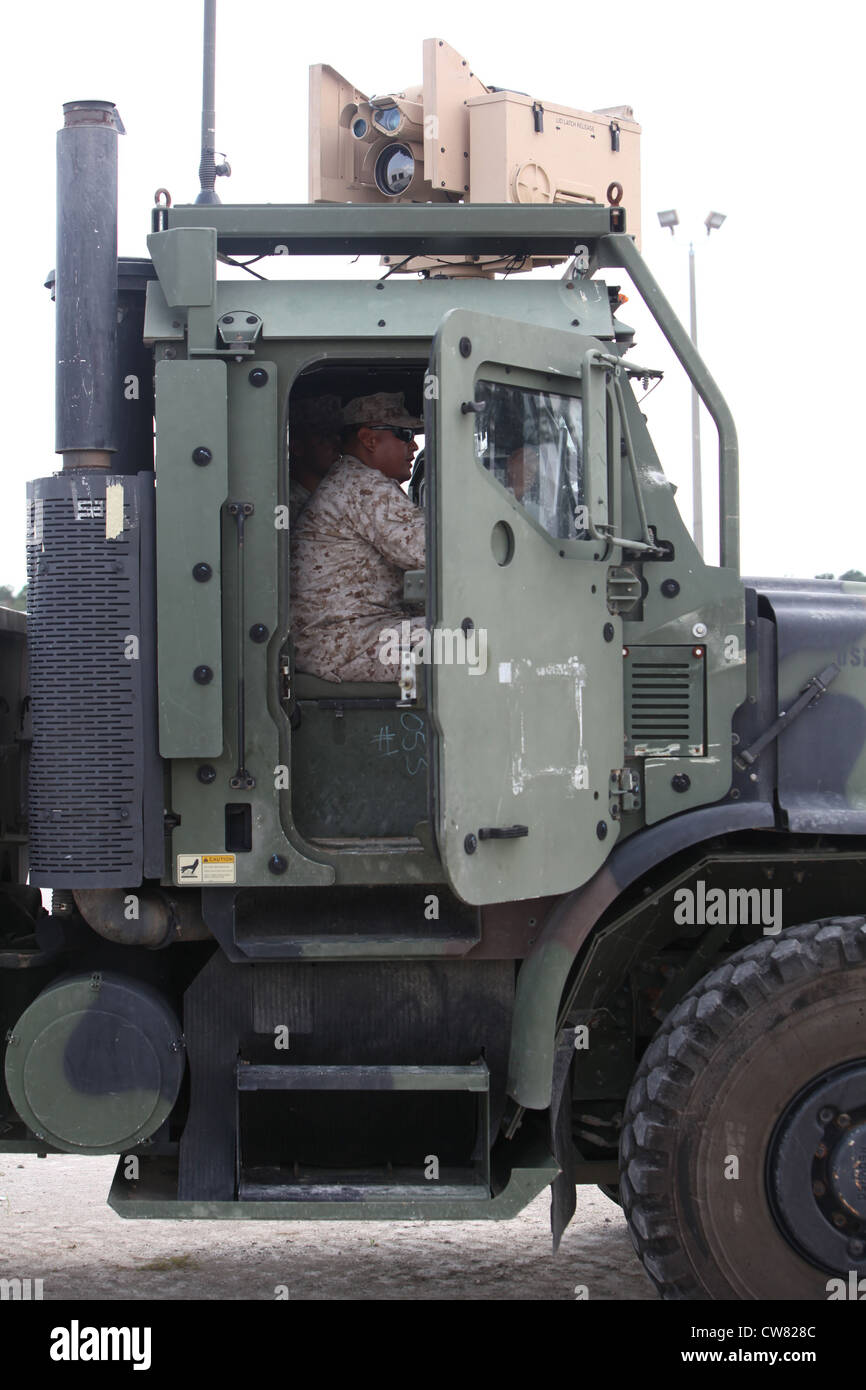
point(86, 284)
point(95, 794)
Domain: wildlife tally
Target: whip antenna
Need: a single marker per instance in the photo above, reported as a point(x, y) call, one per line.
point(208, 169)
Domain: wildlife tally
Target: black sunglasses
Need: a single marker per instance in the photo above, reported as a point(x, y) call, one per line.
point(404, 434)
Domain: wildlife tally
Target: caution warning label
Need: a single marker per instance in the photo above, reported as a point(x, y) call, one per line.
point(206, 868)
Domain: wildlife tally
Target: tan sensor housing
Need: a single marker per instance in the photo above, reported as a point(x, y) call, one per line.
point(454, 139)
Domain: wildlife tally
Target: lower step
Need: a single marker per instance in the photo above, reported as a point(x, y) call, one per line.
point(151, 1194)
point(276, 1185)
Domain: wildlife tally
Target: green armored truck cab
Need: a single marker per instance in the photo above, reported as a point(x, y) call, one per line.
point(576, 899)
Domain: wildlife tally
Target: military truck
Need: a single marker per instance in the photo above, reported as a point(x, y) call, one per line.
point(578, 900)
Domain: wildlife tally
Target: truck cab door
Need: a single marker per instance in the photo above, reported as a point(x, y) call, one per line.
point(527, 709)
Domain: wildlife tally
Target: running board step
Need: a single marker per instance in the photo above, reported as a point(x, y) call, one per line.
point(152, 1195)
point(301, 1183)
point(272, 1185)
point(272, 1076)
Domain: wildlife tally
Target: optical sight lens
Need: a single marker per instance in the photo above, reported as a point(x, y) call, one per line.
point(387, 118)
point(359, 128)
point(395, 169)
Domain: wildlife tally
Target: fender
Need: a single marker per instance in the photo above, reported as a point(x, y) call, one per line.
point(545, 970)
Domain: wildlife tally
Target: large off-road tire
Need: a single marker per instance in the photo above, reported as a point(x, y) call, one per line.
point(743, 1150)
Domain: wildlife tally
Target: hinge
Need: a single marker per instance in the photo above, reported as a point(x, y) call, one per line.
point(408, 677)
point(239, 329)
point(624, 589)
point(624, 791)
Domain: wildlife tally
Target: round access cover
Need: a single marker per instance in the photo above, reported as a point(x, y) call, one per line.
point(533, 184)
point(94, 1065)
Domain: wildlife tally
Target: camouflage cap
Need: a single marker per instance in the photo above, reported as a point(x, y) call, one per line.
point(316, 415)
point(385, 408)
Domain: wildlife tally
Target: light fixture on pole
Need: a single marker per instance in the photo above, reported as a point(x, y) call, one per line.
point(712, 222)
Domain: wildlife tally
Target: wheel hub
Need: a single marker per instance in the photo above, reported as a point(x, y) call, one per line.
point(816, 1170)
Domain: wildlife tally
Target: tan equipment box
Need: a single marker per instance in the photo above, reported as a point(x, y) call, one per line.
point(525, 151)
point(454, 139)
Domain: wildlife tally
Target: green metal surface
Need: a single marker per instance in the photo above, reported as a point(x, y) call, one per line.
point(725, 646)
point(70, 1039)
point(270, 1076)
point(322, 310)
point(665, 701)
point(153, 1197)
point(533, 738)
point(257, 470)
point(185, 261)
point(254, 477)
point(706, 610)
point(358, 773)
point(404, 229)
point(191, 413)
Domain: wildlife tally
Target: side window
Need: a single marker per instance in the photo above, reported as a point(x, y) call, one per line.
point(532, 443)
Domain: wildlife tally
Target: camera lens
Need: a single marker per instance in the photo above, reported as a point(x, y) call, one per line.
point(359, 128)
point(387, 118)
point(395, 169)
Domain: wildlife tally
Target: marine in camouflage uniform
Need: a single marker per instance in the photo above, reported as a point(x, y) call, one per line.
point(315, 423)
point(355, 539)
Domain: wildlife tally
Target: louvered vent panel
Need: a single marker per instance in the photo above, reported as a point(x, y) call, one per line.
point(86, 766)
point(664, 691)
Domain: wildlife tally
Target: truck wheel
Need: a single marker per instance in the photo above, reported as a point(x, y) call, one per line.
point(743, 1150)
point(610, 1191)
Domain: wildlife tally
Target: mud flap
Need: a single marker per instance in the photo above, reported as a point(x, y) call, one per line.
point(563, 1189)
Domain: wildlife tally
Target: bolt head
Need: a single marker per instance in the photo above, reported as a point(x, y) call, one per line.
point(470, 844)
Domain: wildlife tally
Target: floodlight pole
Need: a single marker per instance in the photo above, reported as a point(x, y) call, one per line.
point(712, 221)
point(697, 479)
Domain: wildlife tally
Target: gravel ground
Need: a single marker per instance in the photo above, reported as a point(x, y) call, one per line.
point(55, 1225)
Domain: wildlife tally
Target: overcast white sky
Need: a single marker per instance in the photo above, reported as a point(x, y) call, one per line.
point(752, 109)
